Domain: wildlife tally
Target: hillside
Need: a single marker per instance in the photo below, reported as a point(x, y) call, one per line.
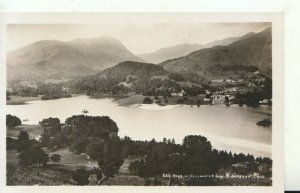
point(169, 52)
point(52, 59)
point(120, 79)
point(164, 54)
point(248, 54)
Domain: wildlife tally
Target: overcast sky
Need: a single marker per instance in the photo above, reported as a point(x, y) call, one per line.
point(138, 38)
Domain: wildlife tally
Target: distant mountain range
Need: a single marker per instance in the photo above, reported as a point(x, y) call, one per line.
point(177, 51)
point(250, 53)
point(94, 58)
point(61, 60)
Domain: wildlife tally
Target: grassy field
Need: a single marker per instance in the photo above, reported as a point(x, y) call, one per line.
point(124, 168)
point(32, 130)
point(136, 99)
point(72, 161)
point(18, 100)
point(61, 173)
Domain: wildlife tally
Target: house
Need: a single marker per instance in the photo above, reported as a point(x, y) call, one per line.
point(265, 101)
point(38, 138)
point(181, 93)
point(230, 81)
point(206, 100)
point(65, 89)
point(232, 89)
point(174, 94)
point(220, 99)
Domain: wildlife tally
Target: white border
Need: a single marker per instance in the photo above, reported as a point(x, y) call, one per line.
point(278, 83)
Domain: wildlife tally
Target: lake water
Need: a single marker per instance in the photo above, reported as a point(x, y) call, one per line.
point(229, 128)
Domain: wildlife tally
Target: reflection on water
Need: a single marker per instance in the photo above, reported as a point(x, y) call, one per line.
point(231, 128)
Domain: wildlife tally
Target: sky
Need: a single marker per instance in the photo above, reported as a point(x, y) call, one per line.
point(137, 37)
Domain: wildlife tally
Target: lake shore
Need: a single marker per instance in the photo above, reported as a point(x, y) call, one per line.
point(19, 100)
point(136, 99)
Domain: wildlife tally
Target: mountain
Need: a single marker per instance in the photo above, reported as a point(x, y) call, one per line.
point(119, 79)
point(248, 54)
point(131, 68)
point(53, 59)
point(167, 53)
point(226, 41)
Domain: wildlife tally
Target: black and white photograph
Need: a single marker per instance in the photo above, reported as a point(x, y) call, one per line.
point(139, 104)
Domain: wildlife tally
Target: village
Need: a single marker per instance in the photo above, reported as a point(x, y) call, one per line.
point(226, 91)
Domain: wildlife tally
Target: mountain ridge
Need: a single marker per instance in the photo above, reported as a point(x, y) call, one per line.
point(180, 50)
point(66, 59)
point(253, 50)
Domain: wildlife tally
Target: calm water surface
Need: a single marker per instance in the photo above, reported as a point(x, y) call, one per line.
point(230, 128)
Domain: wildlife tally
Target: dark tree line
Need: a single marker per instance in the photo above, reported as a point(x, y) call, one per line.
point(48, 90)
point(194, 156)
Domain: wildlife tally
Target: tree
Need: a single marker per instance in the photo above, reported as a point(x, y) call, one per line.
point(23, 143)
point(51, 125)
point(33, 156)
point(55, 158)
point(81, 176)
point(110, 165)
point(12, 121)
point(147, 100)
point(173, 141)
point(164, 140)
point(196, 144)
point(226, 99)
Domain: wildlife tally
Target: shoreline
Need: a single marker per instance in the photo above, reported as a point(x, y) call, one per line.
point(19, 100)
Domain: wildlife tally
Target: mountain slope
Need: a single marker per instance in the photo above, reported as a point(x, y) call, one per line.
point(167, 53)
point(124, 77)
point(245, 55)
point(61, 60)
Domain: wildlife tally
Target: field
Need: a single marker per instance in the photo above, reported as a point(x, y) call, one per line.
point(72, 161)
point(33, 131)
point(136, 99)
point(61, 173)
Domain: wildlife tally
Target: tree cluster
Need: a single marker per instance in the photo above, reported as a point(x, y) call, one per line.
point(12, 121)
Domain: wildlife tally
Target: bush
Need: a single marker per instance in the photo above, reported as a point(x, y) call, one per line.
point(264, 123)
point(147, 100)
point(81, 176)
point(55, 158)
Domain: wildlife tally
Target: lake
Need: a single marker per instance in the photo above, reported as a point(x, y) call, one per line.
point(229, 128)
